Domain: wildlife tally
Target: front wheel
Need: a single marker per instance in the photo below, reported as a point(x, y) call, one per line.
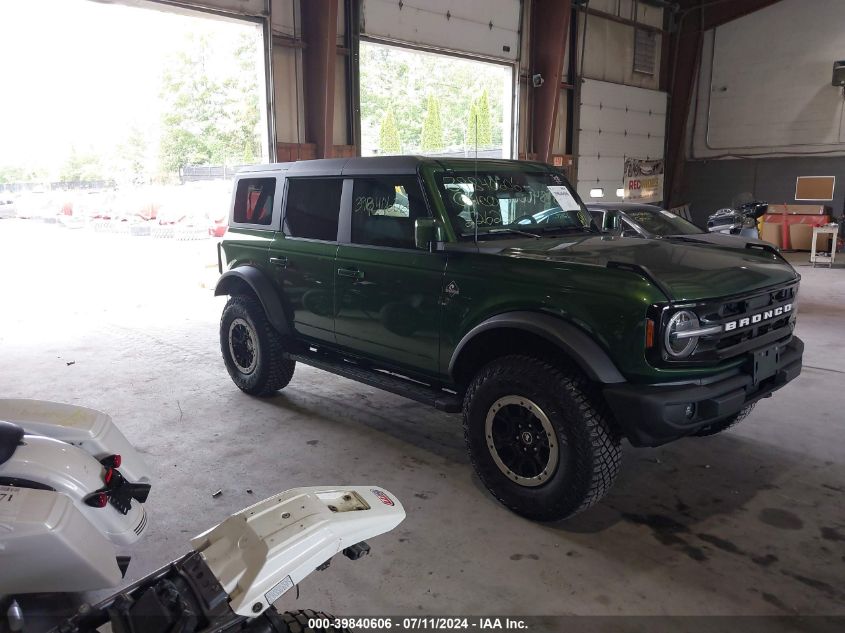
point(538, 437)
point(252, 349)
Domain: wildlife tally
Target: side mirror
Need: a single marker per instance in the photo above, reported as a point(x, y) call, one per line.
point(426, 231)
point(612, 221)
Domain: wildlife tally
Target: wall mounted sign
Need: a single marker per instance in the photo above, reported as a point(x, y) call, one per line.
point(643, 179)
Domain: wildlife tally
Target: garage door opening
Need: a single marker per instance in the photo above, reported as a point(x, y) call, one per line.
point(121, 128)
point(415, 102)
point(128, 103)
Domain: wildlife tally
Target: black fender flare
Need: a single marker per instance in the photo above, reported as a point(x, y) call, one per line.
point(263, 289)
point(588, 355)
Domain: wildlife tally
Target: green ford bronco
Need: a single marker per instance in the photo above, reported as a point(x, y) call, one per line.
point(483, 287)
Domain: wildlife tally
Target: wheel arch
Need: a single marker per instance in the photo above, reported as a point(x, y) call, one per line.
point(251, 281)
point(525, 331)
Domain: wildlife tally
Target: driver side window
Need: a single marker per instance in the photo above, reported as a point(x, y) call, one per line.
point(384, 209)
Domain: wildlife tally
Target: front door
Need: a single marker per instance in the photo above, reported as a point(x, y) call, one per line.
point(302, 256)
point(386, 291)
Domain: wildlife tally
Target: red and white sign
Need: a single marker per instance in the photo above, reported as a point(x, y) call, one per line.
point(643, 179)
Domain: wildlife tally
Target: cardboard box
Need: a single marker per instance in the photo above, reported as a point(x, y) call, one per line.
point(799, 209)
point(800, 236)
point(771, 233)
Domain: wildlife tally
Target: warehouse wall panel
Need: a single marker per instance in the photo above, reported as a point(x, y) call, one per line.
point(765, 83)
point(609, 51)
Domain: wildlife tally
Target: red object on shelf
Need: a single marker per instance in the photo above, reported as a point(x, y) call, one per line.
point(785, 219)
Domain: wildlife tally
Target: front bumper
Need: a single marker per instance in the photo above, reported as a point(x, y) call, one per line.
point(651, 415)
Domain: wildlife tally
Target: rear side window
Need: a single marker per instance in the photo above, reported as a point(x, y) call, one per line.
point(312, 209)
point(384, 209)
point(254, 201)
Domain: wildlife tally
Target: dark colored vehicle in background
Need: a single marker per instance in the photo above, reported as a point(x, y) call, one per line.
point(634, 219)
point(484, 287)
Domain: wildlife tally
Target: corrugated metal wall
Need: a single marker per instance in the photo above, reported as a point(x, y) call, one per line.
point(765, 110)
point(765, 83)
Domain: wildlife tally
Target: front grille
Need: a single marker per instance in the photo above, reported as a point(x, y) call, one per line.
point(765, 325)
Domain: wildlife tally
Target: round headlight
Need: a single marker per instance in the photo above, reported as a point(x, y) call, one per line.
point(677, 345)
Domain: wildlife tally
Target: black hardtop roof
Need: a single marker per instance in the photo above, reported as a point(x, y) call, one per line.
point(373, 165)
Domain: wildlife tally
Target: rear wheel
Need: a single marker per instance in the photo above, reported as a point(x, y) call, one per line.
point(724, 425)
point(252, 349)
point(538, 437)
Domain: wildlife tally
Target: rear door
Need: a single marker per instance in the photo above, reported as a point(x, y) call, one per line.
point(302, 255)
point(387, 291)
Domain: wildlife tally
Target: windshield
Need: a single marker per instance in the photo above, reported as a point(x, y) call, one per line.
point(663, 223)
point(518, 202)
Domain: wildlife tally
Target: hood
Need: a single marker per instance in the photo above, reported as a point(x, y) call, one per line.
point(687, 270)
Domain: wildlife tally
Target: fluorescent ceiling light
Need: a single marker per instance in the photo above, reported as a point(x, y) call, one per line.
point(598, 192)
point(620, 193)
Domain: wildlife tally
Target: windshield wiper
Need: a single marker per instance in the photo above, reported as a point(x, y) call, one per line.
point(503, 230)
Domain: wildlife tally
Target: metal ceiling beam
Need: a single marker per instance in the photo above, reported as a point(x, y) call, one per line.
point(549, 32)
point(319, 57)
point(695, 17)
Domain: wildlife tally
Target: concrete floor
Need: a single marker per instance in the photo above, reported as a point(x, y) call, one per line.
point(749, 523)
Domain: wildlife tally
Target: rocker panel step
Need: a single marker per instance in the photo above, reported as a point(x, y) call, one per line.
point(441, 400)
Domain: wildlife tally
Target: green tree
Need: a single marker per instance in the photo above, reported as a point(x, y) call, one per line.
point(209, 118)
point(389, 141)
point(485, 136)
point(431, 138)
point(79, 167)
point(12, 173)
point(471, 136)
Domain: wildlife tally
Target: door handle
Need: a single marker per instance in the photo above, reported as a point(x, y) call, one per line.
point(282, 262)
point(350, 272)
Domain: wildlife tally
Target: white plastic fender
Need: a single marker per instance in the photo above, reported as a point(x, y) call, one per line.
point(91, 430)
point(259, 553)
point(71, 471)
point(47, 544)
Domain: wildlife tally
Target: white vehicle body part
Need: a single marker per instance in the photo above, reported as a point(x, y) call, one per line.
point(262, 551)
point(91, 430)
point(50, 538)
point(71, 471)
point(47, 544)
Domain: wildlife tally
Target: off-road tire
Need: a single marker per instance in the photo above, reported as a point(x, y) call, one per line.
point(724, 425)
point(297, 622)
point(590, 452)
point(273, 371)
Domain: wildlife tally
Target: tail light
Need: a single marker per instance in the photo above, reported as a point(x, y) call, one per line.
point(97, 500)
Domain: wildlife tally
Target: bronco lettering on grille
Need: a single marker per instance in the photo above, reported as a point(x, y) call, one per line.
point(757, 318)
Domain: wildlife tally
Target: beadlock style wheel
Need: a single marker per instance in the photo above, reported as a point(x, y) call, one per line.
point(252, 349)
point(242, 346)
point(521, 440)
